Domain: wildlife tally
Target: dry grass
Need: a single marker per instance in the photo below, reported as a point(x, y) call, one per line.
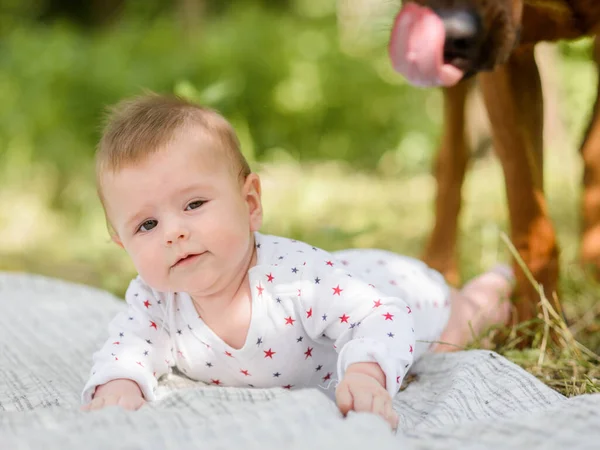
point(556, 357)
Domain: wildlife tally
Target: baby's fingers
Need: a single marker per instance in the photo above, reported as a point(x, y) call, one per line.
point(363, 401)
point(131, 403)
point(128, 403)
point(96, 404)
point(379, 405)
point(390, 415)
point(343, 398)
point(382, 406)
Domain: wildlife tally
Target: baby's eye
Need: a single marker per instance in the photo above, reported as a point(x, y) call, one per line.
point(195, 204)
point(148, 225)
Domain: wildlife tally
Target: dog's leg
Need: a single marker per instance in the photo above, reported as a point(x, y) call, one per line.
point(590, 151)
point(450, 168)
point(513, 97)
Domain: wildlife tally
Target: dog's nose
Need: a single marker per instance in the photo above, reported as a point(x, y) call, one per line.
point(464, 35)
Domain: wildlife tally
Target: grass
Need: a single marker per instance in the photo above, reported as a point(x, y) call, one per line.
point(567, 366)
point(335, 207)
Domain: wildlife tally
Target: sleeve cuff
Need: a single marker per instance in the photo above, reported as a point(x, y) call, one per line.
point(369, 350)
point(145, 381)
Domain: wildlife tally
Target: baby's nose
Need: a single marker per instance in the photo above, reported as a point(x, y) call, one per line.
point(175, 235)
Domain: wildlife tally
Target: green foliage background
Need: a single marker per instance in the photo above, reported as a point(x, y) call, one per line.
point(276, 69)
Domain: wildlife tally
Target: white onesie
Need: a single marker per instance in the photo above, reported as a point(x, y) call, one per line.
point(313, 314)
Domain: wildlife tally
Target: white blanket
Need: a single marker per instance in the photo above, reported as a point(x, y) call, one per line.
point(49, 330)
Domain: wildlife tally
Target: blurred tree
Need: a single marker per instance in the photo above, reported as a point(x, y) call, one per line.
point(191, 13)
point(222, 6)
point(90, 13)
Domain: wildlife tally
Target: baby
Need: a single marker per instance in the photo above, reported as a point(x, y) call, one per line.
point(229, 306)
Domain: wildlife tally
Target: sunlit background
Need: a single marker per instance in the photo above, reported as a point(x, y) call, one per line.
point(343, 144)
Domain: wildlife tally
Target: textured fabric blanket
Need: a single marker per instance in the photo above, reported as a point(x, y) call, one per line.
point(50, 328)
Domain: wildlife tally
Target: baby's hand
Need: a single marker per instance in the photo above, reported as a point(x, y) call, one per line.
point(124, 393)
point(362, 389)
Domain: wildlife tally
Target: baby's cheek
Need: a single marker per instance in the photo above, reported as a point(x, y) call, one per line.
point(150, 266)
point(220, 233)
point(238, 242)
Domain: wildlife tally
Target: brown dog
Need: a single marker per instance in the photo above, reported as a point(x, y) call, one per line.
point(494, 40)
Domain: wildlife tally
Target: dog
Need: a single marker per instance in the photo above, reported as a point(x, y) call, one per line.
point(450, 43)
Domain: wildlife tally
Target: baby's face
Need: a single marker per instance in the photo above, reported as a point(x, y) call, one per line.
point(183, 217)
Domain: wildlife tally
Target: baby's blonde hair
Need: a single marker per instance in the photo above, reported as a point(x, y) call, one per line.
point(139, 127)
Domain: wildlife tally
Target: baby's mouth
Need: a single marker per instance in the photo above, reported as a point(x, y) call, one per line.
point(187, 259)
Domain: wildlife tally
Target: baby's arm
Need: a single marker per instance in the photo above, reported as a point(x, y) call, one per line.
point(137, 353)
point(372, 334)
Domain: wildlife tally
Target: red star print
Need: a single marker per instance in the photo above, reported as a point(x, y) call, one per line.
point(270, 278)
point(371, 285)
point(411, 349)
point(269, 353)
point(289, 320)
point(337, 290)
point(308, 353)
point(288, 386)
point(180, 354)
point(116, 343)
point(217, 382)
point(299, 292)
point(245, 372)
point(309, 313)
point(329, 263)
point(116, 359)
point(398, 379)
point(388, 316)
point(408, 310)
point(376, 303)
point(260, 289)
point(344, 318)
point(147, 304)
point(327, 377)
point(139, 364)
point(153, 325)
point(228, 354)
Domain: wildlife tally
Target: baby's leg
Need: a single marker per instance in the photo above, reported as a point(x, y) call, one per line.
point(481, 303)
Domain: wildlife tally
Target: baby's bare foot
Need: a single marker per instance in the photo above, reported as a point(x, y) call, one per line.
point(480, 304)
point(489, 295)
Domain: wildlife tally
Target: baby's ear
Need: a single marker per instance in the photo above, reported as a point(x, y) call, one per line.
point(252, 192)
point(116, 240)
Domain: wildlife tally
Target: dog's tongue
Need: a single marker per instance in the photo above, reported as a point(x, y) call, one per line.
point(417, 48)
